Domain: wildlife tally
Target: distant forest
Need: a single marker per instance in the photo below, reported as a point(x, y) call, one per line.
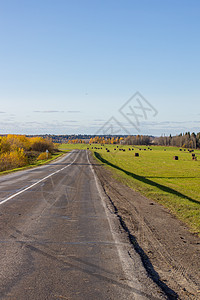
point(185, 140)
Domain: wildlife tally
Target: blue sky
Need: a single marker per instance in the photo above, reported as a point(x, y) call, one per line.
point(69, 66)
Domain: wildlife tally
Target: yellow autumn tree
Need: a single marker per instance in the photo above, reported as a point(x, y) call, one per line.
point(11, 160)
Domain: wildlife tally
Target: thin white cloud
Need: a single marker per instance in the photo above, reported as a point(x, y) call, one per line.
point(8, 120)
point(70, 121)
point(48, 111)
point(56, 111)
point(73, 111)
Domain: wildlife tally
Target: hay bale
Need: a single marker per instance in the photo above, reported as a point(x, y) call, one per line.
point(175, 157)
point(137, 154)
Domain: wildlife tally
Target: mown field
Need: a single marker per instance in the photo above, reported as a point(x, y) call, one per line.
point(172, 183)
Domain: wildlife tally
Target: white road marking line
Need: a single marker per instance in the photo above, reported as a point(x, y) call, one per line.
point(29, 187)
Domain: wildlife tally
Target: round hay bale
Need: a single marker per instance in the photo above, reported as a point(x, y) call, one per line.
point(175, 157)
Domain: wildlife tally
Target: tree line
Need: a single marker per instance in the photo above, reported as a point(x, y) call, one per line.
point(185, 140)
point(18, 150)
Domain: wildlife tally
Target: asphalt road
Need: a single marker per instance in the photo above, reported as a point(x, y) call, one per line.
point(56, 238)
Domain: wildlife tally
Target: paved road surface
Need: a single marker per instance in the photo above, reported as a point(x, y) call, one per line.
point(55, 236)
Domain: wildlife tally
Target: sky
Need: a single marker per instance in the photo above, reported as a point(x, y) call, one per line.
point(99, 67)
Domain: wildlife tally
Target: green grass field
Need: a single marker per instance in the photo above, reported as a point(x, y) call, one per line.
point(172, 183)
